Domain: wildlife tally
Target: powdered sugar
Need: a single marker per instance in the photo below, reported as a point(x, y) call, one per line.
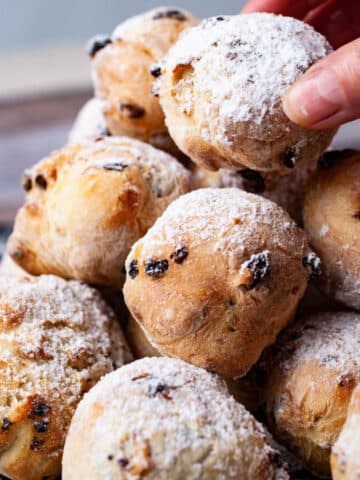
point(333, 339)
point(192, 426)
point(228, 218)
point(244, 64)
point(55, 339)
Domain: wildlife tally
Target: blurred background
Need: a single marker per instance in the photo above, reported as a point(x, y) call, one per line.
point(45, 76)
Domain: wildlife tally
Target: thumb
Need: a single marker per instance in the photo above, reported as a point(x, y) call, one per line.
point(328, 95)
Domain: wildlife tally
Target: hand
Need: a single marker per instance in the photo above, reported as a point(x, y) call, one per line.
point(328, 95)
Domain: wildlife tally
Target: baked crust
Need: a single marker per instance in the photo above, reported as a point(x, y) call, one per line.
point(88, 203)
point(332, 223)
point(316, 366)
point(221, 90)
point(226, 269)
point(345, 455)
point(159, 418)
point(57, 339)
point(123, 81)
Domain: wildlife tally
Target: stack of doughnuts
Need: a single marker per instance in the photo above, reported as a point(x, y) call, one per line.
point(187, 211)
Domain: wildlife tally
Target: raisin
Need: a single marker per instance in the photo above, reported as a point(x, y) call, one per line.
point(42, 426)
point(37, 444)
point(132, 110)
point(40, 181)
point(110, 457)
point(155, 268)
point(259, 266)
point(38, 408)
point(174, 14)
point(329, 159)
point(220, 19)
point(155, 70)
point(312, 264)
point(289, 157)
point(357, 215)
point(346, 380)
point(253, 181)
point(98, 43)
point(123, 462)
point(161, 389)
point(6, 424)
point(133, 269)
point(179, 255)
point(26, 182)
point(117, 166)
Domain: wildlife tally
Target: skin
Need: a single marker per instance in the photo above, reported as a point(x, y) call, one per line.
point(328, 95)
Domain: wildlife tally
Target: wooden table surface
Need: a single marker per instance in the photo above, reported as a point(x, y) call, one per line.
point(31, 128)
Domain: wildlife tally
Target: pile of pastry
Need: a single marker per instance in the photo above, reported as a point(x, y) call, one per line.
point(188, 218)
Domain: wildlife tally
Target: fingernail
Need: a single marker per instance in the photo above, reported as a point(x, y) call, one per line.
point(315, 98)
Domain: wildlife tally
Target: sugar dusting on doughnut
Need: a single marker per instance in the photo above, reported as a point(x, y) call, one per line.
point(273, 51)
point(208, 215)
point(333, 339)
point(174, 409)
point(59, 327)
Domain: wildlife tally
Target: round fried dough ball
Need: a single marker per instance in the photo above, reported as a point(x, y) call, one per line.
point(315, 368)
point(332, 222)
point(227, 270)
point(88, 203)
point(124, 67)
point(221, 89)
point(159, 418)
point(57, 339)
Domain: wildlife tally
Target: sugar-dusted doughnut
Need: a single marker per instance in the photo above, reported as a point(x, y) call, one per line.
point(57, 339)
point(315, 368)
point(332, 223)
point(124, 66)
point(217, 277)
point(161, 418)
point(88, 203)
point(221, 87)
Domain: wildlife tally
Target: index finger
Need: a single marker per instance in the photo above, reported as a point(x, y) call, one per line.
point(291, 8)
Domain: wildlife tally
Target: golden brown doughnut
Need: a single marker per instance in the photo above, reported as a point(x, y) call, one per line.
point(315, 368)
point(345, 455)
point(332, 222)
point(122, 67)
point(88, 203)
point(227, 270)
point(161, 419)
point(57, 339)
point(221, 87)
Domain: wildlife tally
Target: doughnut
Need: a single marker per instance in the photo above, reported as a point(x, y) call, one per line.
point(332, 223)
point(159, 418)
point(227, 269)
point(314, 370)
point(124, 67)
point(57, 339)
point(221, 87)
point(345, 455)
point(89, 123)
point(288, 191)
point(86, 204)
